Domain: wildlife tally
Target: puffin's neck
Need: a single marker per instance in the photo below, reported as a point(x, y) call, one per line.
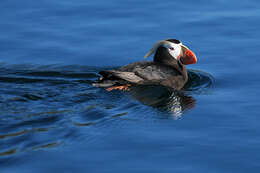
point(162, 56)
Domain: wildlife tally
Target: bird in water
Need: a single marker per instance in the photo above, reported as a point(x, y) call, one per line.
point(167, 68)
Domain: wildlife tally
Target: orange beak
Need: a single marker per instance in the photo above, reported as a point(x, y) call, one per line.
point(189, 57)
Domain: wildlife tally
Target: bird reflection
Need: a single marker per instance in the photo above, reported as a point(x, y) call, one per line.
point(175, 102)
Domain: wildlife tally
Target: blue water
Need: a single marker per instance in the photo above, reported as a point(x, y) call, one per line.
point(53, 120)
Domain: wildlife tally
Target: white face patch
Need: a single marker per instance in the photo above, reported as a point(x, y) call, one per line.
point(174, 49)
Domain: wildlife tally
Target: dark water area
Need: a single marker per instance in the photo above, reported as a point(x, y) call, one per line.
point(53, 120)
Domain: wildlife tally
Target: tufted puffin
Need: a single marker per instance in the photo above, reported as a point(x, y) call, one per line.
point(167, 68)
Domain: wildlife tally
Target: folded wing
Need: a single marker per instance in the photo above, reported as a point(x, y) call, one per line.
point(144, 73)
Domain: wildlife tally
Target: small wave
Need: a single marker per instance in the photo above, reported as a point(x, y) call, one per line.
point(199, 82)
point(56, 74)
point(59, 100)
point(175, 102)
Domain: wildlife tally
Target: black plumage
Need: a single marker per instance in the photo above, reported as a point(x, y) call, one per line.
point(164, 70)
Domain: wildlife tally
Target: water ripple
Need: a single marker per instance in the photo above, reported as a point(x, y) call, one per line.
point(43, 107)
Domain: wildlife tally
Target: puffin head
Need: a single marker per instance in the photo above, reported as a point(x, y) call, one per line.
point(172, 49)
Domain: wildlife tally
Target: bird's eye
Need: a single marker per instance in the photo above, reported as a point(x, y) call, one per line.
point(171, 48)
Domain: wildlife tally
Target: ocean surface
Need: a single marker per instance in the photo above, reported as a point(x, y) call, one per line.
point(53, 120)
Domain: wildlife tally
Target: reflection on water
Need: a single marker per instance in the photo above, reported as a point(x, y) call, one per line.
point(47, 108)
point(44, 106)
point(179, 103)
point(175, 102)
